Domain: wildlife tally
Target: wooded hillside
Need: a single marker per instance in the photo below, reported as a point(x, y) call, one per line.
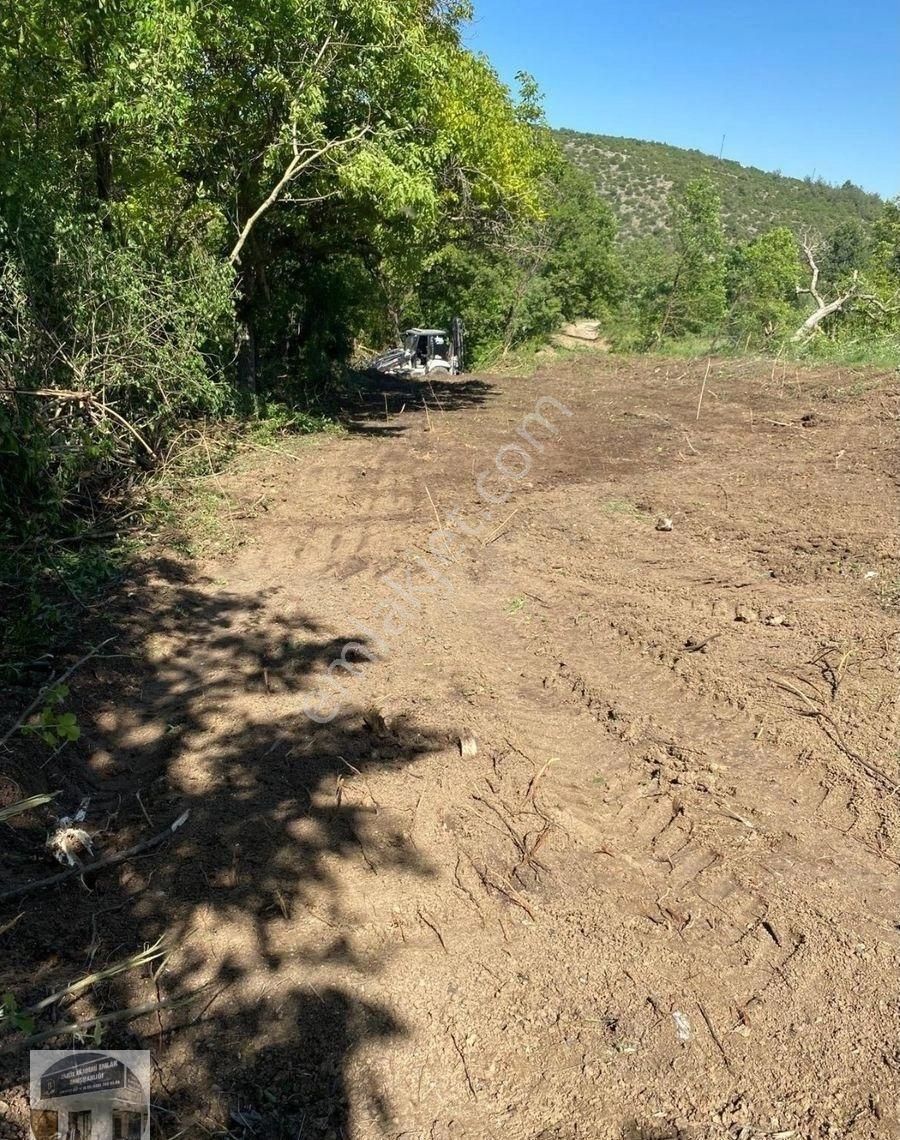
point(636, 178)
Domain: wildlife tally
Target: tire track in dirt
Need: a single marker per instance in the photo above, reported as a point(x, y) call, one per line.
point(652, 710)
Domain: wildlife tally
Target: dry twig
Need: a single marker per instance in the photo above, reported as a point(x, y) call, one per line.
point(98, 865)
point(703, 387)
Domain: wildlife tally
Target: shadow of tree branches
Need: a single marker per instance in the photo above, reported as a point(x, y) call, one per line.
point(202, 712)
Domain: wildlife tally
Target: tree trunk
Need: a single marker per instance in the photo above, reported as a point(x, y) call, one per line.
point(825, 308)
point(246, 356)
point(813, 321)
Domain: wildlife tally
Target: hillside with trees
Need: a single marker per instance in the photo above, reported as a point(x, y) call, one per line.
point(636, 178)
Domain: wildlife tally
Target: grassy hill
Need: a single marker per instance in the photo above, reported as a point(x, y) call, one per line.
point(636, 177)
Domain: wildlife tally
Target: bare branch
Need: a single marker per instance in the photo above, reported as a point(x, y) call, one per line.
point(813, 321)
point(814, 284)
point(871, 299)
point(823, 308)
point(98, 865)
point(302, 159)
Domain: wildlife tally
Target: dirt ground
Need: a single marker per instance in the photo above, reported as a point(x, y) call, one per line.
point(661, 899)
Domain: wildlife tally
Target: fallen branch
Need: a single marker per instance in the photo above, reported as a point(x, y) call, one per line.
point(86, 397)
point(532, 788)
point(462, 1057)
point(714, 1036)
point(433, 927)
point(50, 393)
point(505, 889)
point(98, 865)
point(105, 1019)
point(130, 428)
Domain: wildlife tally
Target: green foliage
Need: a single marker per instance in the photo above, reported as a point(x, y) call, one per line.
point(13, 1017)
point(203, 208)
point(54, 726)
point(885, 249)
point(694, 298)
point(762, 277)
point(540, 273)
point(845, 251)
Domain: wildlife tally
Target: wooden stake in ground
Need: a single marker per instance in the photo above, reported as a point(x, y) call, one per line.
point(441, 526)
point(703, 387)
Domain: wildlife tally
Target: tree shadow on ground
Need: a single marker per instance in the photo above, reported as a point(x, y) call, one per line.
point(386, 405)
point(202, 712)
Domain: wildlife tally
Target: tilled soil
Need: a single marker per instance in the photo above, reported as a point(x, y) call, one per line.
point(660, 900)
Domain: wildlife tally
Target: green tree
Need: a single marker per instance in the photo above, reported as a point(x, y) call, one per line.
point(262, 161)
point(204, 201)
point(548, 269)
point(762, 280)
point(845, 251)
point(885, 248)
point(695, 299)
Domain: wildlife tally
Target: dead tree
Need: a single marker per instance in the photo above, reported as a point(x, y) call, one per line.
point(823, 308)
point(852, 295)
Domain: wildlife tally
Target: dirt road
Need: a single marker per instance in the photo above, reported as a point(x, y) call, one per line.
point(661, 900)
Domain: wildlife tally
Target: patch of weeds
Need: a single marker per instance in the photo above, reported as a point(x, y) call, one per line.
point(625, 507)
point(45, 585)
point(851, 391)
point(525, 359)
point(889, 594)
point(514, 605)
point(13, 1017)
point(55, 726)
point(276, 422)
point(195, 520)
point(881, 351)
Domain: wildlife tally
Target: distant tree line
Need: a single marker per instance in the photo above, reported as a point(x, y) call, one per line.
point(811, 290)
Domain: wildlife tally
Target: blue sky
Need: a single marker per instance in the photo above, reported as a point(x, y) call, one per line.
point(805, 87)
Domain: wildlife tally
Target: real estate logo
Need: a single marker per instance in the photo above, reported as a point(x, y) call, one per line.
point(83, 1094)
